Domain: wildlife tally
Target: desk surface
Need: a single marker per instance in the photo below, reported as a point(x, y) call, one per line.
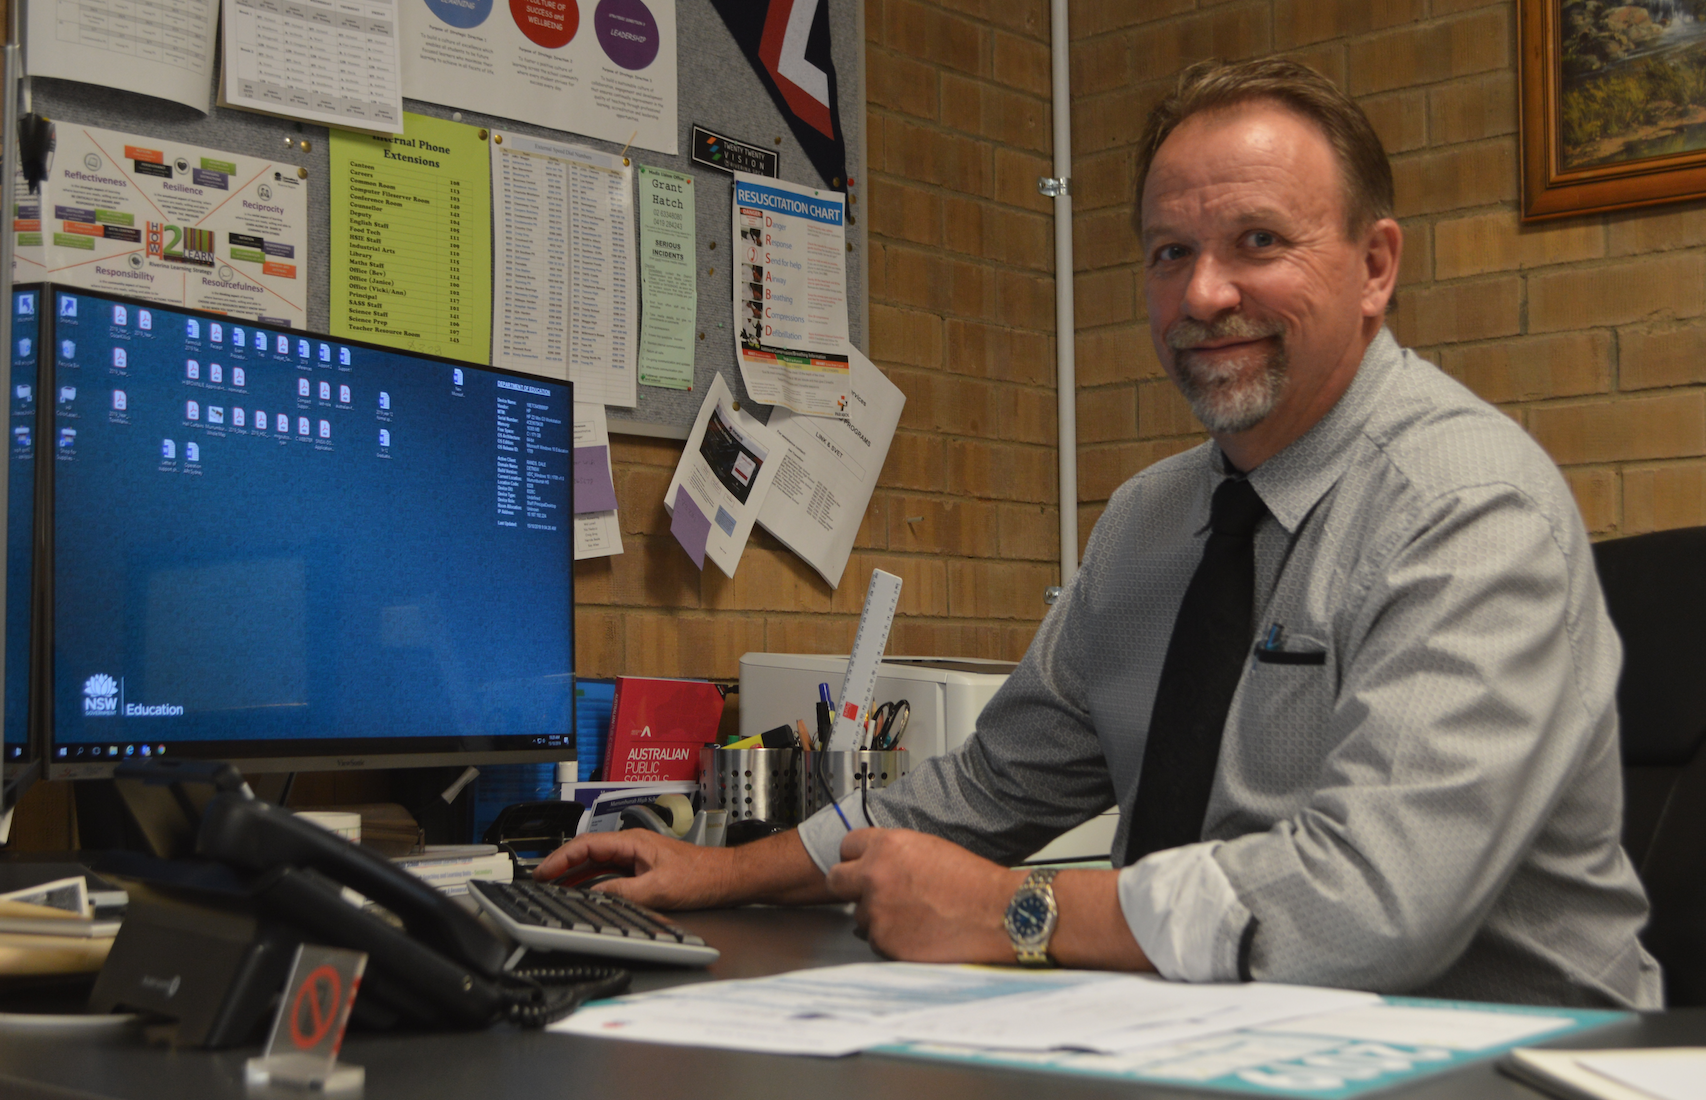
point(505, 1062)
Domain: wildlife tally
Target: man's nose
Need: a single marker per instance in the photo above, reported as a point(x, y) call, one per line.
point(1211, 290)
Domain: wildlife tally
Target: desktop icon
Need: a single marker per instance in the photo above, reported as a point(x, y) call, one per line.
point(215, 331)
point(282, 423)
point(302, 387)
point(237, 377)
point(343, 395)
point(67, 394)
point(68, 437)
point(68, 349)
point(67, 306)
point(192, 369)
point(325, 429)
point(325, 391)
point(26, 305)
point(237, 417)
point(192, 328)
point(192, 452)
point(237, 337)
point(21, 436)
point(260, 341)
point(215, 414)
point(23, 392)
point(192, 410)
point(130, 750)
point(456, 376)
point(120, 401)
point(147, 750)
point(384, 437)
point(215, 373)
point(121, 359)
point(284, 345)
point(302, 349)
point(121, 315)
point(343, 356)
point(302, 425)
point(325, 353)
point(384, 400)
point(24, 347)
point(168, 450)
point(145, 320)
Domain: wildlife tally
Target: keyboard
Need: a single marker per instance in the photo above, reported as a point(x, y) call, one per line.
point(567, 918)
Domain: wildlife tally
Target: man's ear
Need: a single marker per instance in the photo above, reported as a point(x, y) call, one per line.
point(1383, 250)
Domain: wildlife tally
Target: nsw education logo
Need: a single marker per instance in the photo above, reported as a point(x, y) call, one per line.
point(100, 696)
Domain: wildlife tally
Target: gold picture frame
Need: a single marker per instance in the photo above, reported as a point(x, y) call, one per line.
point(1613, 105)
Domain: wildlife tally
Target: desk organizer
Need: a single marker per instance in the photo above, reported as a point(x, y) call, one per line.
point(846, 772)
point(751, 784)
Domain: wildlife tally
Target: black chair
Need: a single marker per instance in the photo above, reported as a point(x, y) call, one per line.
point(1655, 589)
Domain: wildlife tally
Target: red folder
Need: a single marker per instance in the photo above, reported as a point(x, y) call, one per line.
point(658, 726)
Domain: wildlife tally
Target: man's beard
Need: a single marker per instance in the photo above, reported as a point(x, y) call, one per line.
point(1233, 395)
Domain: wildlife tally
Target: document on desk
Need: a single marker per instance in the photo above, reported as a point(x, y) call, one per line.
point(607, 71)
point(331, 62)
point(790, 295)
point(720, 484)
point(830, 469)
point(565, 299)
point(411, 238)
point(1665, 1073)
point(170, 222)
point(598, 533)
point(159, 48)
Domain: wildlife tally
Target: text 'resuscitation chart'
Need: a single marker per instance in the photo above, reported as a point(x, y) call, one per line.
point(790, 295)
point(564, 303)
point(412, 238)
point(334, 62)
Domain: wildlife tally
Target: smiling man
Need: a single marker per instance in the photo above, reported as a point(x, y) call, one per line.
point(1345, 669)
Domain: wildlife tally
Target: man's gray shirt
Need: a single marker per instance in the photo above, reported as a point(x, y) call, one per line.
point(1434, 807)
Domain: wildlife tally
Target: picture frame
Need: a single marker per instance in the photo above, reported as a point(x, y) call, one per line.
point(1612, 105)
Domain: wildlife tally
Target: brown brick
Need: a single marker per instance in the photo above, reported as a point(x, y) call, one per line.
point(1429, 52)
point(639, 495)
point(941, 284)
point(1455, 177)
point(1001, 471)
point(1114, 118)
point(1104, 298)
point(593, 582)
point(1473, 108)
point(874, 526)
point(691, 645)
point(1101, 470)
point(814, 633)
point(1301, 22)
point(1029, 532)
point(1107, 414)
point(998, 590)
point(1016, 176)
point(947, 403)
point(902, 84)
point(1104, 179)
point(907, 336)
point(1328, 60)
point(598, 640)
point(1648, 359)
point(654, 572)
point(766, 580)
point(915, 461)
point(1663, 498)
point(1461, 311)
point(937, 525)
point(1417, 265)
point(997, 352)
point(1615, 294)
point(1401, 119)
point(877, 269)
point(1657, 229)
point(1452, 7)
point(946, 40)
point(1023, 63)
point(643, 450)
point(1027, 17)
point(985, 110)
point(875, 142)
point(1532, 368)
point(904, 213)
point(1498, 242)
point(923, 588)
point(1101, 64)
point(930, 155)
point(1025, 300)
point(1619, 431)
point(1163, 411)
point(1122, 354)
point(1104, 238)
point(1092, 17)
point(1231, 33)
point(1595, 490)
point(999, 233)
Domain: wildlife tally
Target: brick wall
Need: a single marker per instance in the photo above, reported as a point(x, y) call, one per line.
point(962, 316)
point(1587, 331)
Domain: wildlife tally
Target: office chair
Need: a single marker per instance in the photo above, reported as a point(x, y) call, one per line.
point(1655, 590)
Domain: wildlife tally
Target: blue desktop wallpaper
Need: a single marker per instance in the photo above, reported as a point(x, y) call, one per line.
point(20, 502)
point(261, 535)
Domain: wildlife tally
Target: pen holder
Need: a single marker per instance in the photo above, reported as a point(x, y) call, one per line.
point(845, 772)
point(751, 784)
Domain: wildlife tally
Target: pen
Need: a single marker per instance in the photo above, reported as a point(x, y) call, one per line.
point(1271, 642)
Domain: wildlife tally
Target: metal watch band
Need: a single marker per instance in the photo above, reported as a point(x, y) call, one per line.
point(1034, 952)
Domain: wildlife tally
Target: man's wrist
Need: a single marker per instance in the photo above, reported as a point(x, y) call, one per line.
point(1092, 931)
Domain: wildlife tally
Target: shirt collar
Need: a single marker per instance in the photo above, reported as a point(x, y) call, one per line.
point(1293, 481)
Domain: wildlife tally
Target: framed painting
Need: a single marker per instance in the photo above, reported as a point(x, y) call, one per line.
point(1613, 102)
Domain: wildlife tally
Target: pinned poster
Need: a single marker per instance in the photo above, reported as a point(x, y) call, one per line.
point(722, 480)
point(669, 286)
point(608, 71)
point(161, 48)
point(790, 295)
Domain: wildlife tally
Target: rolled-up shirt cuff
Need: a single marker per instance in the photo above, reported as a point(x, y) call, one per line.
point(1183, 912)
point(821, 833)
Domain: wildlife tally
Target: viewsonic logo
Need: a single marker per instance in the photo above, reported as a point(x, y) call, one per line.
point(100, 696)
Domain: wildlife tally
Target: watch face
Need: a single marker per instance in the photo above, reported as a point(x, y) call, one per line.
point(1028, 917)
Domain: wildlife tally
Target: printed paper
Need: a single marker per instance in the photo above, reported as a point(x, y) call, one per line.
point(598, 534)
point(669, 285)
point(724, 476)
point(160, 48)
point(336, 64)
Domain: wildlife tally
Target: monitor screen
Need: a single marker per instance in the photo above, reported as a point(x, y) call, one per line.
point(20, 506)
point(294, 551)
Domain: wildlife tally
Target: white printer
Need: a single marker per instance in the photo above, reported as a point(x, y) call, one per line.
point(946, 695)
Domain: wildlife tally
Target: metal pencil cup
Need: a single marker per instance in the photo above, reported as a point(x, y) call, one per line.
point(751, 784)
point(846, 772)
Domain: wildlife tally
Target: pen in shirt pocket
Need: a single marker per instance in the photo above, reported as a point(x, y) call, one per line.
point(1270, 642)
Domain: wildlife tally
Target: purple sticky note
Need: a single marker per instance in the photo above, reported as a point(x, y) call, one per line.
point(593, 491)
point(690, 527)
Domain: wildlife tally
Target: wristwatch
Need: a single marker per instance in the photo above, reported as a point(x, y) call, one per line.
point(1031, 917)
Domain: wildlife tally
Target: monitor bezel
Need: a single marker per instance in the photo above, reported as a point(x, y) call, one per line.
point(294, 755)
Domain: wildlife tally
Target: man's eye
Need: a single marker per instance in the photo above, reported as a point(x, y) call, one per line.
point(1167, 253)
point(1261, 238)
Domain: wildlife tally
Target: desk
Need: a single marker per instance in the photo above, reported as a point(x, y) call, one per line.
point(505, 1062)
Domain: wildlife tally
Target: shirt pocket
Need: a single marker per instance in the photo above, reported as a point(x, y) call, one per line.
point(1283, 711)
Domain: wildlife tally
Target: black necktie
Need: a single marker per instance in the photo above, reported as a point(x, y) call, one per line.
point(1205, 657)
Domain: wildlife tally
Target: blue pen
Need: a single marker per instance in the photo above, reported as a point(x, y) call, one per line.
point(1271, 642)
point(823, 693)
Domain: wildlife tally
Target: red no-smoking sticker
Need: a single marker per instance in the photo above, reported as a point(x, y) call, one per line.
point(315, 1008)
point(316, 1003)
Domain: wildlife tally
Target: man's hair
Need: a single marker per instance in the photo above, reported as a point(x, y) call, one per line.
point(1211, 85)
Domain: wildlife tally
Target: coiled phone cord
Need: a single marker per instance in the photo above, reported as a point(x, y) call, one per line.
point(552, 992)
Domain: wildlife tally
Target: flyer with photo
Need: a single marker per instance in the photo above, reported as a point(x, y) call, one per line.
point(168, 222)
point(722, 480)
point(790, 295)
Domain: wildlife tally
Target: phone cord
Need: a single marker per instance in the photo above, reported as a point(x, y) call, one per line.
point(551, 992)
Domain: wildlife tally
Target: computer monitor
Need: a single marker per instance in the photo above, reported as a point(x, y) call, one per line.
point(295, 552)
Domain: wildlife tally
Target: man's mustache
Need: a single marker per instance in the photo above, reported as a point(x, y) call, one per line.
point(1188, 333)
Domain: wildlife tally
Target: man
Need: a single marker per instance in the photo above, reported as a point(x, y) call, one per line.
point(1346, 669)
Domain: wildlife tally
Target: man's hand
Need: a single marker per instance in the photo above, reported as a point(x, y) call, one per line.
point(669, 874)
point(923, 898)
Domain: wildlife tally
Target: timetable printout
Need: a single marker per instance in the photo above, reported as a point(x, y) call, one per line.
point(334, 62)
point(160, 48)
point(790, 295)
point(411, 240)
point(565, 299)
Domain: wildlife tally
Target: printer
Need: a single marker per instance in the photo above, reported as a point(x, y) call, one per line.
point(946, 694)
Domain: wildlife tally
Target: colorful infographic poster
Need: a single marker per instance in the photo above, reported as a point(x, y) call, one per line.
point(169, 222)
point(603, 68)
point(412, 238)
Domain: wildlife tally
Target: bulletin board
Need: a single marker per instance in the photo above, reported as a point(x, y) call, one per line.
point(718, 89)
